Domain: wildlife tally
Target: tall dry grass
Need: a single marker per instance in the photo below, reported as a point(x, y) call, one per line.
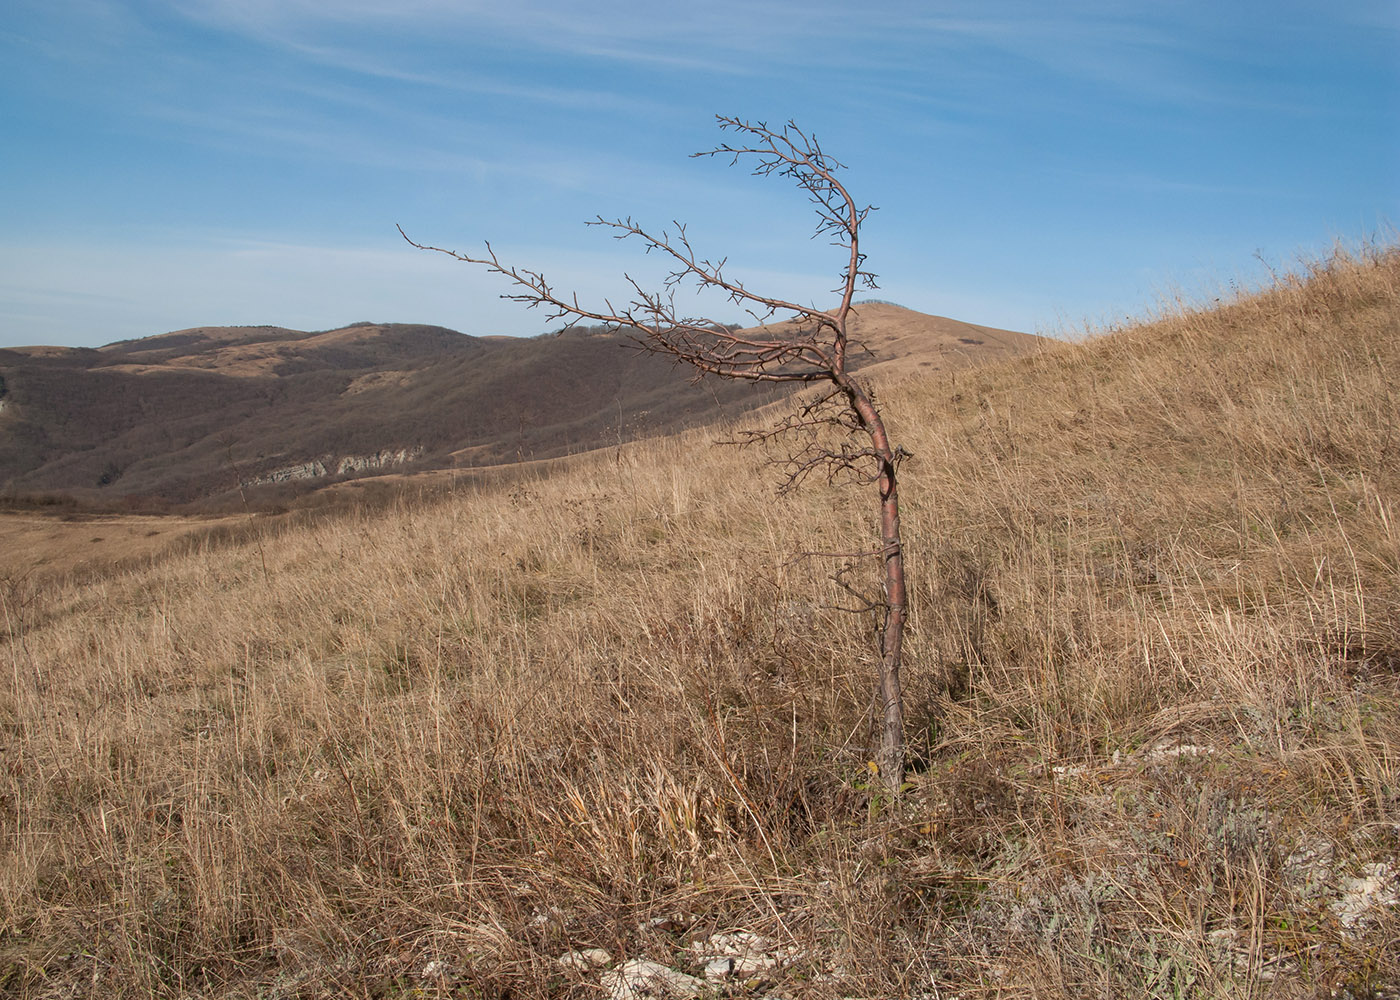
point(1154, 674)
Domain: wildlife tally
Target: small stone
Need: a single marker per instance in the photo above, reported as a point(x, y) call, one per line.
point(436, 969)
point(548, 915)
point(738, 966)
point(1362, 898)
point(1169, 751)
point(584, 959)
point(1223, 937)
point(639, 979)
point(740, 954)
point(719, 968)
point(733, 943)
point(747, 966)
point(670, 924)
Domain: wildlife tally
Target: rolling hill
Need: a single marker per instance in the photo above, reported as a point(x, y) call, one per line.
point(184, 417)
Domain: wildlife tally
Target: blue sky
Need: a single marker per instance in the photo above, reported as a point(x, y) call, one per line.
point(174, 163)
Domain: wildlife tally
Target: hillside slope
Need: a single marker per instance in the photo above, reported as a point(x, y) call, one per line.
point(184, 416)
point(1153, 684)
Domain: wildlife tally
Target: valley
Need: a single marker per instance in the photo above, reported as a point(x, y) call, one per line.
point(183, 420)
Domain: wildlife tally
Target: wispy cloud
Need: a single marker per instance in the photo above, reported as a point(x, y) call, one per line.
point(627, 31)
point(1022, 133)
point(289, 134)
point(453, 79)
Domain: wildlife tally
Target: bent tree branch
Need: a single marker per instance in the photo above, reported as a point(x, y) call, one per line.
point(810, 346)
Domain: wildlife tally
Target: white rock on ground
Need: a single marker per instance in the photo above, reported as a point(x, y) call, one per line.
point(639, 979)
point(437, 969)
point(584, 959)
point(1378, 887)
point(739, 954)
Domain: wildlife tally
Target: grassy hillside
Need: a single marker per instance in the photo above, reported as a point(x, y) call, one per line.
point(1153, 680)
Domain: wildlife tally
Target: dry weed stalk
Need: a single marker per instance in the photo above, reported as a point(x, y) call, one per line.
point(811, 348)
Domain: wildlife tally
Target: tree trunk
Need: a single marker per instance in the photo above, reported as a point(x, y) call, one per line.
point(892, 636)
point(891, 752)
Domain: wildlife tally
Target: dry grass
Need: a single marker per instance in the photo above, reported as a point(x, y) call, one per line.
point(1154, 678)
point(72, 543)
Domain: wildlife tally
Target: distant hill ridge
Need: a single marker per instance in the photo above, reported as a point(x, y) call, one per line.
point(185, 417)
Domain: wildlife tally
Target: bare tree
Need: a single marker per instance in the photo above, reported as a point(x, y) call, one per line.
point(812, 346)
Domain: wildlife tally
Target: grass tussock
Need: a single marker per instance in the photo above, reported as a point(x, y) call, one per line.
point(1153, 682)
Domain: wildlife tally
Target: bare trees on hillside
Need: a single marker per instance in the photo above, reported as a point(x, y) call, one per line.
point(810, 347)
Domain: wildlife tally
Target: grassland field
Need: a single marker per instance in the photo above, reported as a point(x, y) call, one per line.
point(472, 744)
